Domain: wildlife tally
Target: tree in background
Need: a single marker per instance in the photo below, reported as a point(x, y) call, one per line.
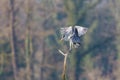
point(98, 43)
point(36, 24)
point(12, 38)
point(77, 13)
point(114, 7)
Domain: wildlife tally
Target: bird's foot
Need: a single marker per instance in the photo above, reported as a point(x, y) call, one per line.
point(76, 45)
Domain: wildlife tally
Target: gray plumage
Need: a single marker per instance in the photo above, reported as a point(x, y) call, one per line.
point(73, 34)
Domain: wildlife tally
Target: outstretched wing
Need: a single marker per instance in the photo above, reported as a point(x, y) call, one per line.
point(66, 32)
point(81, 30)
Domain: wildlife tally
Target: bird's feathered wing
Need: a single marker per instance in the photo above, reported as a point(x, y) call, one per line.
point(66, 32)
point(81, 30)
point(73, 34)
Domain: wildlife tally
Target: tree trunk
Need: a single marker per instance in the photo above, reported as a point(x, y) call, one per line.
point(28, 40)
point(12, 38)
point(28, 54)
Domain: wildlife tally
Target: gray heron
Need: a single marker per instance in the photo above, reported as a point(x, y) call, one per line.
point(73, 34)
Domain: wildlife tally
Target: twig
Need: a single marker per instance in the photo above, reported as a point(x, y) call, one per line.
point(64, 65)
point(62, 53)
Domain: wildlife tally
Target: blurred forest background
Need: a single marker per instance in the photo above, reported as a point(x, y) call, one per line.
point(30, 39)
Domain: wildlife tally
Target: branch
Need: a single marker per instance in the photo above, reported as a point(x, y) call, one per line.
point(62, 53)
point(64, 65)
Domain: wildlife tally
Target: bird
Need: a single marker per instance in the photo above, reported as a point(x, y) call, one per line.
point(73, 34)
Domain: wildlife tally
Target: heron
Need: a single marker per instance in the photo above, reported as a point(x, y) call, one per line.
point(73, 34)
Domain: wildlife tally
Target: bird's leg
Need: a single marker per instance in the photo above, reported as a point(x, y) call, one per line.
point(74, 44)
point(77, 45)
point(70, 43)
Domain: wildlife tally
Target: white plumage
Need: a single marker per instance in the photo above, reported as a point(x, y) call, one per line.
point(73, 34)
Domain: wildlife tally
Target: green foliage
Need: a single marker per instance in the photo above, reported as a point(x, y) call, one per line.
point(87, 37)
point(96, 49)
point(118, 37)
point(5, 47)
point(4, 54)
point(71, 13)
point(88, 62)
point(27, 45)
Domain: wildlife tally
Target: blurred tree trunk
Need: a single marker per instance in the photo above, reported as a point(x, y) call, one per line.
point(38, 56)
point(42, 60)
point(28, 55)
point(12, 37)
point(28, 40)
point(77, 11)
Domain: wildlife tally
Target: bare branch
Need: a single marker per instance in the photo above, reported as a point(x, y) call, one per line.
point(64, 64)
point(62, 53)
